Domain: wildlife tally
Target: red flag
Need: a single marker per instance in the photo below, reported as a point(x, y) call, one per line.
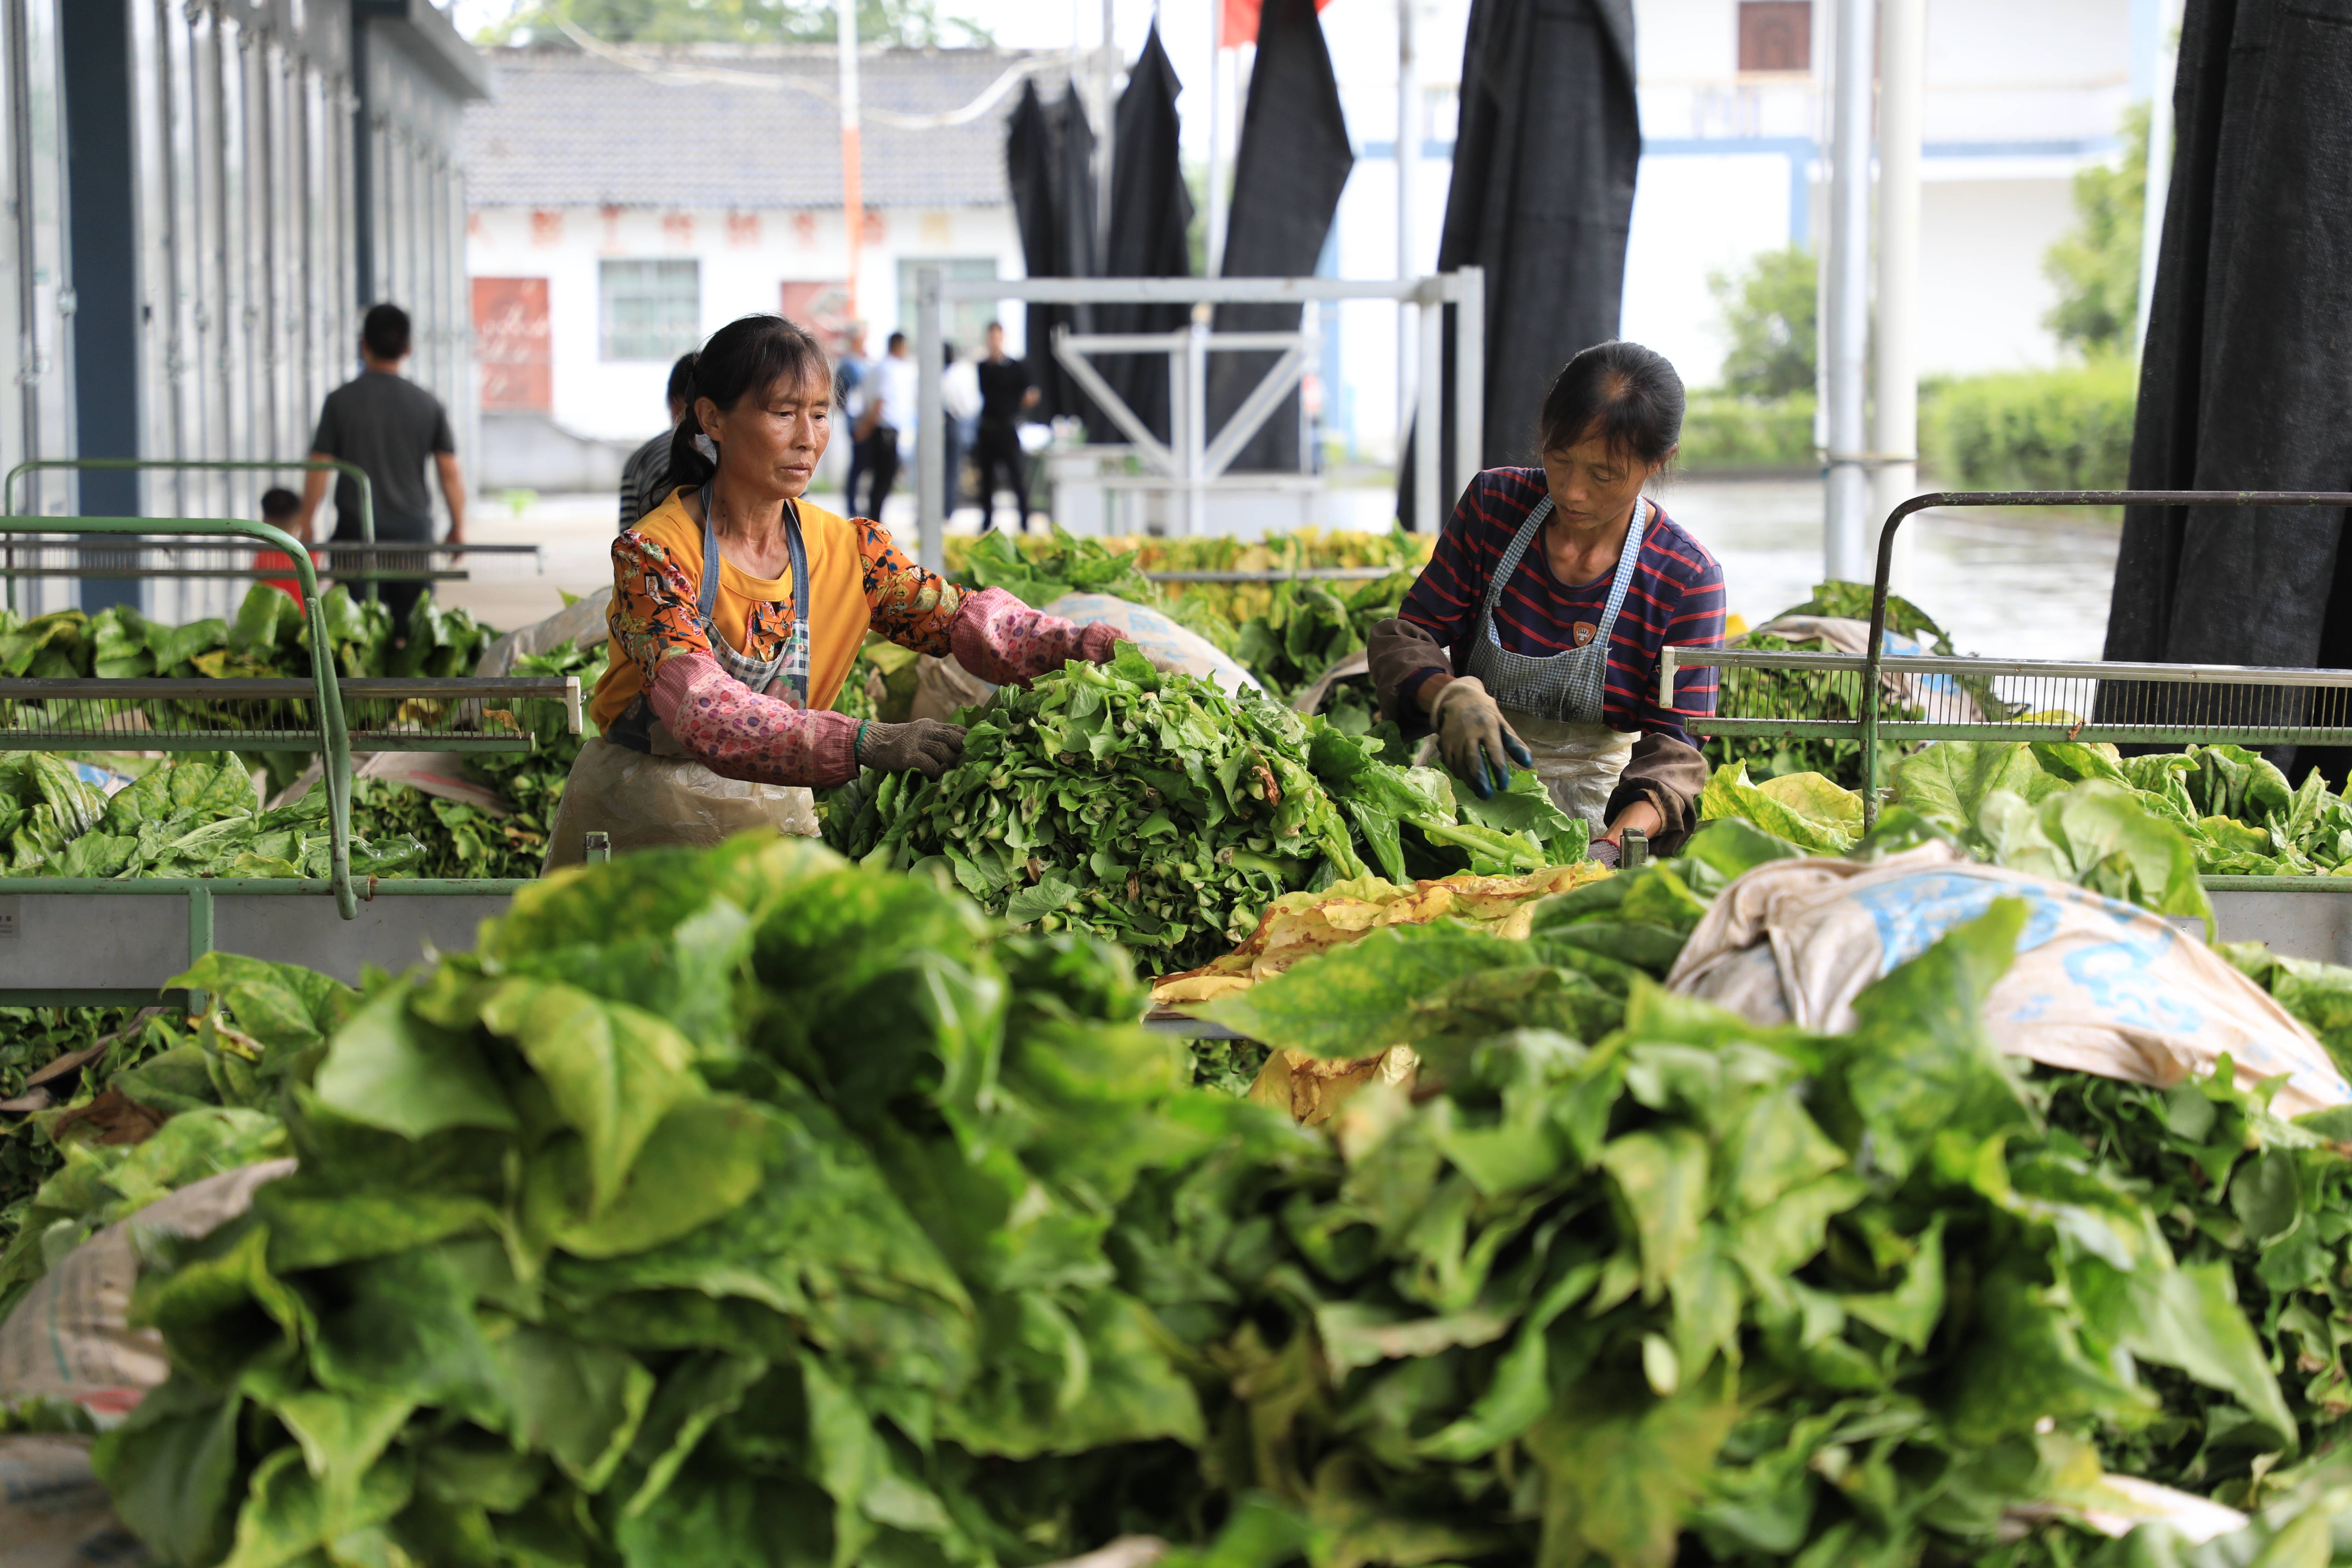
point(1241, 22)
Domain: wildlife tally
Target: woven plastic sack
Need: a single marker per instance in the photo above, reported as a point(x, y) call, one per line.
point(70, 1337)
point(645, 802)
point(582, 621)
point(2098, 986)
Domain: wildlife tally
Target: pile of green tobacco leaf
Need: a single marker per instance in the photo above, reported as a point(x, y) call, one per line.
point(1812, 694)
point(191, 816)
point(268, 636)
point(747, 1205)
point(726, 1207)
point(1155, 810)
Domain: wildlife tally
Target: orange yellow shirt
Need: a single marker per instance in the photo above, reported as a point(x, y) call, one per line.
point(857, 581)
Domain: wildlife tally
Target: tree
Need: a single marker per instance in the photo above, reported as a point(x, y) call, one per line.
point(904, 23)
point(2097, 264)
point(1769, 317)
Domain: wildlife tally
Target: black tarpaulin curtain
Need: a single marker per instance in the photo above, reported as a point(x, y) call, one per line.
point(1292, 165)
point(1049, 164)
point(1149, 212)
point(2246, 376)
point(1542, 197)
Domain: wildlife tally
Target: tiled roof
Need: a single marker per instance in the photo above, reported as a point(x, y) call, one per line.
point(568, 129)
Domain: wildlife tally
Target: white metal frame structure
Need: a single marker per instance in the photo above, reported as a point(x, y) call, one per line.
point(1464, 289)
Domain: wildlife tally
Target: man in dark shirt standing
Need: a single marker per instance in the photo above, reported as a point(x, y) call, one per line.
point(388, 426)
point(1006, 392)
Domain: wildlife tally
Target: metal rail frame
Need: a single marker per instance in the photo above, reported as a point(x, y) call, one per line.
point(1873, 664)
point(334, 739)
point(352, 471)
point(1464, 289)
point(199, 892)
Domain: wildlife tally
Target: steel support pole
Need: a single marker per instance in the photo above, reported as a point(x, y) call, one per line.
point(1429, 421)
point(930, 440)
point(2159, 159)
point(852, 178)
point(1106, 124)
point(1895, 416)
point(1469, 374)
point(1845, 326)
point(1408, 118)
point(1196, 422)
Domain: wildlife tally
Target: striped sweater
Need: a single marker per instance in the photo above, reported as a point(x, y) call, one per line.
point(1675, 597)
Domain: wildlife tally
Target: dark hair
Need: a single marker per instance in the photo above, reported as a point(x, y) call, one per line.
point(384, 330)
point(896, 338)
point(748, 354)
point(279, 501)
point(681, 378)
point(1627, 395)
point(996, 326)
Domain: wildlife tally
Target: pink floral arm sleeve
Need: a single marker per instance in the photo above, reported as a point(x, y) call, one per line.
point(738, 733)
point(999, 638)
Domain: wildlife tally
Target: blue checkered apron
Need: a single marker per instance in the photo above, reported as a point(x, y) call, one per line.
point(638, 730)
point(1555, 702)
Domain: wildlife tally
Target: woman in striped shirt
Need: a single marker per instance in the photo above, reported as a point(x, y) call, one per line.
point(1532, 636)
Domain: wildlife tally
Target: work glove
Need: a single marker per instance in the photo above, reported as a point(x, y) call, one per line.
point(926, 746)
point(1472, 736)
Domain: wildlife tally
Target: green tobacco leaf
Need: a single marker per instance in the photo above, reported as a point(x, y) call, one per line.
point(288, 1515)
point(580, 1404)
point(2026, 1362)
point(699, 1162)
point(1621, 1476)
point(283, 1006)
point(391, 1070)
point(171, 1468)
point(1948, 781)
point(1919, 1061)
point(691, 1399)
point(1909, 1313)
point(2190, 1317)
point(613, 1071)
point(1662, 1179)
point(311, 1229)
point(342, 1438)
point(1358, 999)
point(1803, 809)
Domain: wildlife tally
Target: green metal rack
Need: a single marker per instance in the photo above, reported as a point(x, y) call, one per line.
point(1875, 695)
point(86, 960)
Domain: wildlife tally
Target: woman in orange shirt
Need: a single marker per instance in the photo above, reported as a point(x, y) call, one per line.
point(738, 608)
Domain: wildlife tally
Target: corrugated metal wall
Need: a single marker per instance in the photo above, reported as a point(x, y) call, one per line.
point(248, 276)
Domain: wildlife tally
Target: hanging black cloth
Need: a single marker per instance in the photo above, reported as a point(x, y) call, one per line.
point(1542, 197)
point(1150, 212)
point(2245, 381)
point(1287, 174)
point(1049, 164)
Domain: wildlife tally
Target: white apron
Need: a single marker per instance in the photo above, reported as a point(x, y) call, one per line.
point(1555, 703)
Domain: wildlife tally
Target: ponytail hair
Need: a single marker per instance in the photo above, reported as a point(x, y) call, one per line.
point(750, 354)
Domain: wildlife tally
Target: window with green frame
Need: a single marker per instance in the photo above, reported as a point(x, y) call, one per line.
point(648, 309)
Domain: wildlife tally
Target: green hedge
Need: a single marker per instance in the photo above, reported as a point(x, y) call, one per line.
point(2053, 429)
point(1722, 431)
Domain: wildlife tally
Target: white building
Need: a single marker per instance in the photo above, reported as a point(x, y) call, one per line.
point(2021, 94)
point(621, 211)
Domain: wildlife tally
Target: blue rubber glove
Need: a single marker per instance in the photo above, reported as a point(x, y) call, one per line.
point(1473, 737)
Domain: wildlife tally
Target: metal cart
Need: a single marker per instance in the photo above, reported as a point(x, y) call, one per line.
point(91, 941)
point(1876, 697)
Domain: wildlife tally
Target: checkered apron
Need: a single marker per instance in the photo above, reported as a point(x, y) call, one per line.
point(638, 730)
point(1555, 703)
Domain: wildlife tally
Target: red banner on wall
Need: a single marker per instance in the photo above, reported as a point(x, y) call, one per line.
point(512, 345)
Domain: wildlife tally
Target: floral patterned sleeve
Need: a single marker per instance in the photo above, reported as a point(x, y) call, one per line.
point(654, 606)
point(911, 607)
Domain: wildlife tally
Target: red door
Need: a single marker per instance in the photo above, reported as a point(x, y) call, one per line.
point(512, 346)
